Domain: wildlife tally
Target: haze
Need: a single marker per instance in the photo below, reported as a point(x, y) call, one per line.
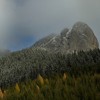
point(22, 22)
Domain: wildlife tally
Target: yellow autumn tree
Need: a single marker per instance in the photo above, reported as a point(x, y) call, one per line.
point(17, 88)
point(64, 76)
point(40, 79)
point(37, 88)
point(1, 94)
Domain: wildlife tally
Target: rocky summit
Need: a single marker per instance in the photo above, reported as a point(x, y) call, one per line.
point(78, 38)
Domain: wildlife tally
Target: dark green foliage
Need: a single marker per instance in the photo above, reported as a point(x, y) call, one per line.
point(83, 87)
point(29, 63)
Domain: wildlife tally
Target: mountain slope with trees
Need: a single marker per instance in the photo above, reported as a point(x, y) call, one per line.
point(29, 63)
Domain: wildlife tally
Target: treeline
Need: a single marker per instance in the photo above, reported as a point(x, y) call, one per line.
point(28, 63)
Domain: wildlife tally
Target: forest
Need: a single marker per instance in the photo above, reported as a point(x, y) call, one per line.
point(73, 76)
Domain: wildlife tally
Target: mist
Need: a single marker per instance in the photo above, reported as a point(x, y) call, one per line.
point(25, 21)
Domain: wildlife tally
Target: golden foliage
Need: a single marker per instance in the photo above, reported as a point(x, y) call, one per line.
point(40, 79)
point(64, 76)
point(17, 88)
point(5, 93)
point(1, 94)
point(57, 85)
point(36, 89)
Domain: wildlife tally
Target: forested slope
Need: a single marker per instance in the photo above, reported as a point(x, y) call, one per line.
point(29, 63)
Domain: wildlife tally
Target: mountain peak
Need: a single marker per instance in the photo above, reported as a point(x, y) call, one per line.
point(80, 23)
point(64, 32)
point(79, 37)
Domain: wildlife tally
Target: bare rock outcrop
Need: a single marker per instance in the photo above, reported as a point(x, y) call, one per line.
point(79, 37)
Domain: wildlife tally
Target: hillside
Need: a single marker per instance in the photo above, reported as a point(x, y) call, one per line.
point(52, 55)
point(74, 52)
point(29, 63)
point(60, 87)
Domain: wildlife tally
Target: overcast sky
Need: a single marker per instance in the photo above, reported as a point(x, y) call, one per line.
point(22, 22)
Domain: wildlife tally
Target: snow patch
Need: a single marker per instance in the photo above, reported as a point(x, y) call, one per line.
point(69, 31)
point(84, 35)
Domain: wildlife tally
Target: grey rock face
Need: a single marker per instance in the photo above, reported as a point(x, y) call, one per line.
point(79, 37)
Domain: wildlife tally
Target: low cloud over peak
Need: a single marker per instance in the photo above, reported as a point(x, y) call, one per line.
point(37, 18)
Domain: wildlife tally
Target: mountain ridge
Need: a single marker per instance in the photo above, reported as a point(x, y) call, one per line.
point(28, 63)
point(79, 37)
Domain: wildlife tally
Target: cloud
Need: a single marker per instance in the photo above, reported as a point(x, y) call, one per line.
point(7, 18)
point(37, 18)
point(12, 31)
point(45, 16)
